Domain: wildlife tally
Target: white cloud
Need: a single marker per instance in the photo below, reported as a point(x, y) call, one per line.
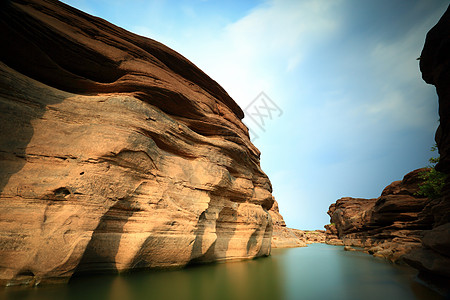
point(248, 55)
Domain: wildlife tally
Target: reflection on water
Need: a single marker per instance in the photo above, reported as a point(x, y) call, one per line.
point(317, 272)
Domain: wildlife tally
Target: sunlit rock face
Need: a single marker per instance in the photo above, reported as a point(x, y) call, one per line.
point(116, 153)
point(389, 226)
point(433, 258)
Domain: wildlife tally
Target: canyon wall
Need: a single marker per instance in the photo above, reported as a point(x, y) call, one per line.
point(433, 258)
point(389, 226)
point(116, 153)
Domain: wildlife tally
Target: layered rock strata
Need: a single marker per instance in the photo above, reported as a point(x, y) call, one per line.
point(331, 235)
point(314, 236)
point(399, 226)
point(389, 226)
point(116, 153)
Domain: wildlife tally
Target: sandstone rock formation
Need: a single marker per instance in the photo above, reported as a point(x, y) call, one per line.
point(116, 153)
point(389, 226)
point(314, 236)
point(331, 235)
point(433, 258)
point(284, 237)
point(398, 226)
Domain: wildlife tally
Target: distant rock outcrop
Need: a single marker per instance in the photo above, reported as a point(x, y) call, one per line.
point(314, 236)
point(116, 153)
point(284, 237)
point(389, 226)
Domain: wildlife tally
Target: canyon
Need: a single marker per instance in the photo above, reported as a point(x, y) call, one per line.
point(118, 154)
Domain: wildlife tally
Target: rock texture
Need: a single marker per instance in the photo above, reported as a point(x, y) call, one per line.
point(314, 236)
point(433, 258)
point(399, 226)
point(284, 237)
point(116, 153)
point(331, 235)
point(389, 226)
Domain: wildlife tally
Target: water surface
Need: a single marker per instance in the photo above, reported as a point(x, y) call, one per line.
point(317, 272)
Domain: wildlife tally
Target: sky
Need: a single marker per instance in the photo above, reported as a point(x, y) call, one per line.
point(345, 109)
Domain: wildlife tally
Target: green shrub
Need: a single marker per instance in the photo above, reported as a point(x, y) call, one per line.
point(433, 181)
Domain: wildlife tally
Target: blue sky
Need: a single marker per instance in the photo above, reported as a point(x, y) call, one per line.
point(356, 114)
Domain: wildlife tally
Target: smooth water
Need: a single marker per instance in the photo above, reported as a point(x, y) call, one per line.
point(317, 272)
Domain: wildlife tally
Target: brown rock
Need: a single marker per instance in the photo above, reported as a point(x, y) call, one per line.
point(433, 259)
point(116, 153)
point(315, 236)
point(429, 261)
point(334, 242)
point(277, 218)
point(438, 239)
point(331, 233)
point(284, 237)
point(330, 229)
point(389, 226)
point(350, 214)
point(434, 256)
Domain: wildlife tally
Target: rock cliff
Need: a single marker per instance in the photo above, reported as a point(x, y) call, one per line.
point(388, 226)
point(116, 153)
point(433, 258)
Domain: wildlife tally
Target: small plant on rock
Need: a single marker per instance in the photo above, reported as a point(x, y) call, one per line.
point(433, 180)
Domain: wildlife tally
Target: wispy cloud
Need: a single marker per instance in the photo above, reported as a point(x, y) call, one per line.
point(248, 56)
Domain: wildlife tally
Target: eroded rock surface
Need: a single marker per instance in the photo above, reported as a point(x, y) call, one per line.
point(388, 226)
point(116, 153)
point(314, 236)
point(399, 226)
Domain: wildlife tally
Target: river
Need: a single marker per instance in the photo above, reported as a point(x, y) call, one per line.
point(317, 272)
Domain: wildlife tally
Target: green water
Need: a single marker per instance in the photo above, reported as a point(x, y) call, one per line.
point(316, 272)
